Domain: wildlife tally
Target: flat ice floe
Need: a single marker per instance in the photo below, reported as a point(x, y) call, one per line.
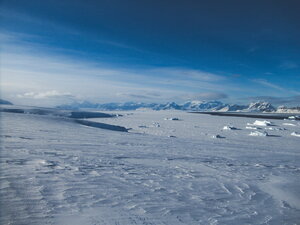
point(56, 171)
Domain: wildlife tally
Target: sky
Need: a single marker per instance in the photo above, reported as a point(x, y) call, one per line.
point(55, 52)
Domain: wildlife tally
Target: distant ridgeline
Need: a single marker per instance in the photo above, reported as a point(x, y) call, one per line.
point(4, 102)
point(188, 106)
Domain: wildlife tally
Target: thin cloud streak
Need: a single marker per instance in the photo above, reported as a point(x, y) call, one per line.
point(268, 84)
point(274, 86)
point(47, 94)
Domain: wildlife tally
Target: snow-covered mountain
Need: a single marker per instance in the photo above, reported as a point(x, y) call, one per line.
point(233, 108)
point(190, 105)
point(259, 106)
point(202, 105)
point(252, 107)
point(169, 105)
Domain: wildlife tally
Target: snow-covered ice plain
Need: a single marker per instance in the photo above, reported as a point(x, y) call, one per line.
point(56, 171)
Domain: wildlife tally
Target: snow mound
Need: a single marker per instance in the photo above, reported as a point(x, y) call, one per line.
point(229, 127)
point(296, 134)
point(252, 128)
point(262, 123)
point(274, 128)
point(289, 124)
point(259, 133)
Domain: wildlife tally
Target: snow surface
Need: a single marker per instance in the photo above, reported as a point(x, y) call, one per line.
point(56, 171)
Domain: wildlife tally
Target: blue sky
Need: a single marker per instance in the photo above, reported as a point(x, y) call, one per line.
point(54, 52)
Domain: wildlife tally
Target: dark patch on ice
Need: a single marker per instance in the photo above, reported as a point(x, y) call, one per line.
point(54, 153)
point(101, 125)
point(121, 157)
point(12, 110)
point(26, 138)
point(218, 136)
point(229, 164)
point(85, 115)
point(17, 161)
point(272, 135)
point(279, 116)
point(51, 164)
point(6, 136)
point(172, 136)
point(48, 131)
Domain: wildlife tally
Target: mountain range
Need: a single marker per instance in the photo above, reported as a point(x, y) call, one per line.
point(196, 105)
point(188, 106)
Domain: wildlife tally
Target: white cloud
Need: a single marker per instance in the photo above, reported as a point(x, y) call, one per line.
point(47, 94)
point(189, 74)
point(140, 95)
point(276, 87)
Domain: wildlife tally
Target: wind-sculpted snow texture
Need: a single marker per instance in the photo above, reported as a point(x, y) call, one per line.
point(56, 171)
